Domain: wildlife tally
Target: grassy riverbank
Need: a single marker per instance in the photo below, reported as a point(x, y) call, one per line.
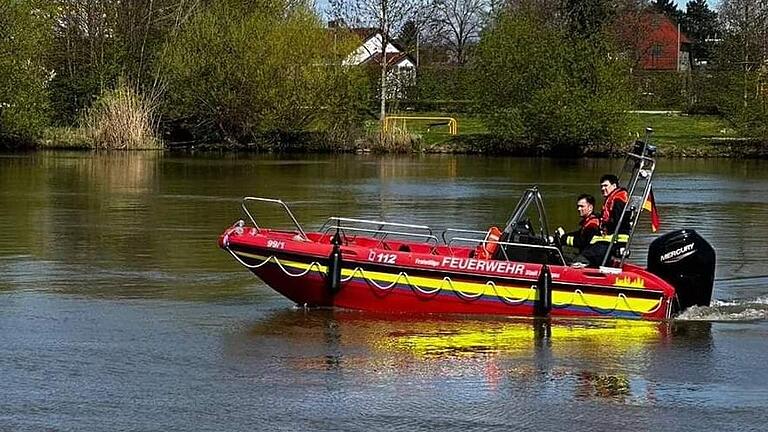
point(688, 135)
point(676, 135)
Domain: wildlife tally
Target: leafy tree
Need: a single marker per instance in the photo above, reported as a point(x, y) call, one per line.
point(386, 16)
point(539, 85)
point(667, 7)
point(588, 17)
point(98, 41)
point(24, 39)
point(409, 35)
point(701, 24)
point(741, 58)
point(244, 70)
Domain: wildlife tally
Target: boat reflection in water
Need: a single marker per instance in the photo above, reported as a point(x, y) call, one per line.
point(584, 359)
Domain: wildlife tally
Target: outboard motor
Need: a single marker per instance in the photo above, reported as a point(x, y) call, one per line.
point(685, 260)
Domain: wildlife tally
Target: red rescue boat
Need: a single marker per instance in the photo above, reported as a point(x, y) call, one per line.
point(391, 267)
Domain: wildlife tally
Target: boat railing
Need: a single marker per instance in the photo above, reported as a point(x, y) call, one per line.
point(381, 234)
point(271, 201)
point(345, 221)
point(448, 231)
point(380, 229)
point(558, 253)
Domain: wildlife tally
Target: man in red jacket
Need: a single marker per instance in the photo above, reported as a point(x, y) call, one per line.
point(589, 227)
point(616, 198)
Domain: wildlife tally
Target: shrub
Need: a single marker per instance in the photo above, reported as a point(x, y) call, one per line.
point(122, 119)
point(744, 102)
point(24, 38)
point(394, 140)
point(241, 70)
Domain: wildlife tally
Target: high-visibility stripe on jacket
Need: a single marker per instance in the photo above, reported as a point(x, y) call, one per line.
point(622, 238)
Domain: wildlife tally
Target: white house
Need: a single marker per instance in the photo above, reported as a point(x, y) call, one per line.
point(401, 69)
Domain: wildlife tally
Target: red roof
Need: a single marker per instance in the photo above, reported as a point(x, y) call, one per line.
point(392, 58)
point(364, 32)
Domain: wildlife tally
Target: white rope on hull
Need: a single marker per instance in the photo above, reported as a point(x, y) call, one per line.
point(314, 265)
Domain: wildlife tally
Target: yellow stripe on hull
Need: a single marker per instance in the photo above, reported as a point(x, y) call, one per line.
point(575, 298)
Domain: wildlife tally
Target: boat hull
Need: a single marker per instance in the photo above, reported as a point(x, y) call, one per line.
point(304, 279)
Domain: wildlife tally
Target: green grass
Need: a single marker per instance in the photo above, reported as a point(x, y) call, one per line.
point(433, 133)
point(682, 131)
point(671, 131)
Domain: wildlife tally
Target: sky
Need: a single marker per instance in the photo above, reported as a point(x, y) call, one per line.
point(681, 4)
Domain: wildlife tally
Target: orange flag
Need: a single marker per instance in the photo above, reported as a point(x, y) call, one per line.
point(650, 205)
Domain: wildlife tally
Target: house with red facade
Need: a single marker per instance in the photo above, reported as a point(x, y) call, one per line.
point(663, 46)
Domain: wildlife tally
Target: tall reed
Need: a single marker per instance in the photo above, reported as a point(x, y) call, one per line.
point(123, 119)
point(395, 139)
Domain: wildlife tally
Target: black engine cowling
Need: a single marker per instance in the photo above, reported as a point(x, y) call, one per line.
point(685, 260)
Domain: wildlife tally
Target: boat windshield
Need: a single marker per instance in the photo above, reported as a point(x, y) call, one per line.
point(526, 237)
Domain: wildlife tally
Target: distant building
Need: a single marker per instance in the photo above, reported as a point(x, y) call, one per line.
point(664, 47)
point(401, 68)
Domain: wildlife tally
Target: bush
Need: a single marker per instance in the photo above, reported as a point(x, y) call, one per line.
point(744, 102)
point(238, 71)
point(394, 140)
point(122, 119)
point(661, 90)
point(443, 84)
point(24, 38)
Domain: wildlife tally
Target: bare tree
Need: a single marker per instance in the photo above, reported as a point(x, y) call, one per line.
point(747, 20)
point(631, 27)
point(745, 25)
point(457, 23)
point(386, 16)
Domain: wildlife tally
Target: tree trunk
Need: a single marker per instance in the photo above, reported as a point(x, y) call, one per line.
point(383, 95)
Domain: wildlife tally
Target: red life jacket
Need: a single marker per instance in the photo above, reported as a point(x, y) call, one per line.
point(619, 194)
point(488, 248)
point(591, 221)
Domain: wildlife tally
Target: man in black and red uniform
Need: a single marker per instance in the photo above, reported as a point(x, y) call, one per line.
point(616, 198)
point(589, 226)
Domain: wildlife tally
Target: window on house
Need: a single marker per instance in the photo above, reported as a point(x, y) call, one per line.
point(656, 51)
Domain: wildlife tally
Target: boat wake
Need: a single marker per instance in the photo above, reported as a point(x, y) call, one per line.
point(728, 310)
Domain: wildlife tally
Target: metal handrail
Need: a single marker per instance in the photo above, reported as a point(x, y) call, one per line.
point(375, 222)
point(428, 237)
point(640, 166)
point(636, 218)
point(503, 243)
point(459, 230)
point(271, 201)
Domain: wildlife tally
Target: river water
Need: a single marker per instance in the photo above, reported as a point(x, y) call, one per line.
point(119, 312)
